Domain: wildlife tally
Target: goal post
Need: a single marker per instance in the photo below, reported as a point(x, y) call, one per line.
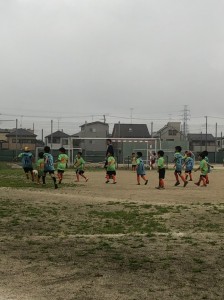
point(123, 147)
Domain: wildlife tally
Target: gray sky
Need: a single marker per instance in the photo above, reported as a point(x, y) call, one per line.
point(86, 58)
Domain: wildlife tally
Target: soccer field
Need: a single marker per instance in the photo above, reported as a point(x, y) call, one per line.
point(91, 240)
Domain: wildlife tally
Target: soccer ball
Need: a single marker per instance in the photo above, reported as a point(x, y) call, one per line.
point(35, 172)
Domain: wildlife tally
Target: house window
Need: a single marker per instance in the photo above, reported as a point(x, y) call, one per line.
point(54, 140)
point(92, 129)
point(130, 129)
point(64, 141)
point(172, 132)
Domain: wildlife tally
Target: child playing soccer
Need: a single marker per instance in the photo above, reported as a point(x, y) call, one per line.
point(209, 165)
point(188, 164)
point(178, 166)
point(49, 165)
point(62, 164)
point(79, 164)
point(140, 169)
point(133, 161)
point(40, 168)
point(111, 168)
point(161, 169)
point(27, 162)
point(203, 167)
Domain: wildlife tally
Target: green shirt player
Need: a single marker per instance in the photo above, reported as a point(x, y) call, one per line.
point(62, 163)
point(79, 165)
point(40, 167)
point(161, 169)
point(203, 167)
point(111, 168)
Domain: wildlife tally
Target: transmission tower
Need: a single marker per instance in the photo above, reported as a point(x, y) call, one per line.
point(186, 118)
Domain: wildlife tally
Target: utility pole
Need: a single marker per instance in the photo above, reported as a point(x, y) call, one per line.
point(51, 133)
point(16, 136)
point(186, 118)
point(216, 129)
point(151, 129)
point(206, 132)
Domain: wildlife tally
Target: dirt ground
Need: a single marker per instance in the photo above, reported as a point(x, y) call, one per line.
point(97, 241)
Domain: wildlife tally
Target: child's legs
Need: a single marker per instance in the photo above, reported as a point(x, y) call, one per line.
point(114, 176)
point(203, 179)
point(138, 178)
point(143, 177)
point(82, 175)
point(182, 176)
point(161, 177)
point(26, 171)
point(53, 176)
point(176, 175)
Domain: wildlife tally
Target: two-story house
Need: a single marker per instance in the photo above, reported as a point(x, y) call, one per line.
point(57, 139)
point(133, 138)
point(20, 138)
point(92, 137)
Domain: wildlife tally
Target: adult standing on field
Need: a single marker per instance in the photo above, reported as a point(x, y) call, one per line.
point(110, 150)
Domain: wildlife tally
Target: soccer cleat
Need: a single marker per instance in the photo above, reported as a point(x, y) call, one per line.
point(55, 186)
point(107, 181)
point(177, 183)
point(196, 183)
point(146, 182)
point(191, 180)
point(185, 183)
point(114, 182)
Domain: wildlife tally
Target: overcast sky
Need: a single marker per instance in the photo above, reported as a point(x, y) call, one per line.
point(123, 58)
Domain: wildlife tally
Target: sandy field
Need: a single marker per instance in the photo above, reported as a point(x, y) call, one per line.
point(97, 241)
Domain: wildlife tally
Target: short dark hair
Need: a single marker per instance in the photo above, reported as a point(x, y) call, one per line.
point(161, 153)
point(41, 155)
point(80, 153)
point(178, 148)
point(62, 149)
point(47, 149)
point(202, 155)
point(205, 153)
point(109, 140)
point(139, 154)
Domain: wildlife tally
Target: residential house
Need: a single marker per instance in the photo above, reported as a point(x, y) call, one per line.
point(20, 138)
point(170, 136)
point(58, 139)
point(128, 132)
point(198, 142)
point(4, 139)
point(92, 137)
point(171, 132)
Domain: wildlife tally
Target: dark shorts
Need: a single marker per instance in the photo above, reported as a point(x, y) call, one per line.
point(50, 172)
point(60, 171)
point(80, 172)
point(204, 176)
point(110, 173)
point(162, 173)
point(188, 171)
point(178, 172)
point(27, 170)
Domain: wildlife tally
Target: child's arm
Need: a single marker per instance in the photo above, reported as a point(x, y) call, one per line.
point(197, 169)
